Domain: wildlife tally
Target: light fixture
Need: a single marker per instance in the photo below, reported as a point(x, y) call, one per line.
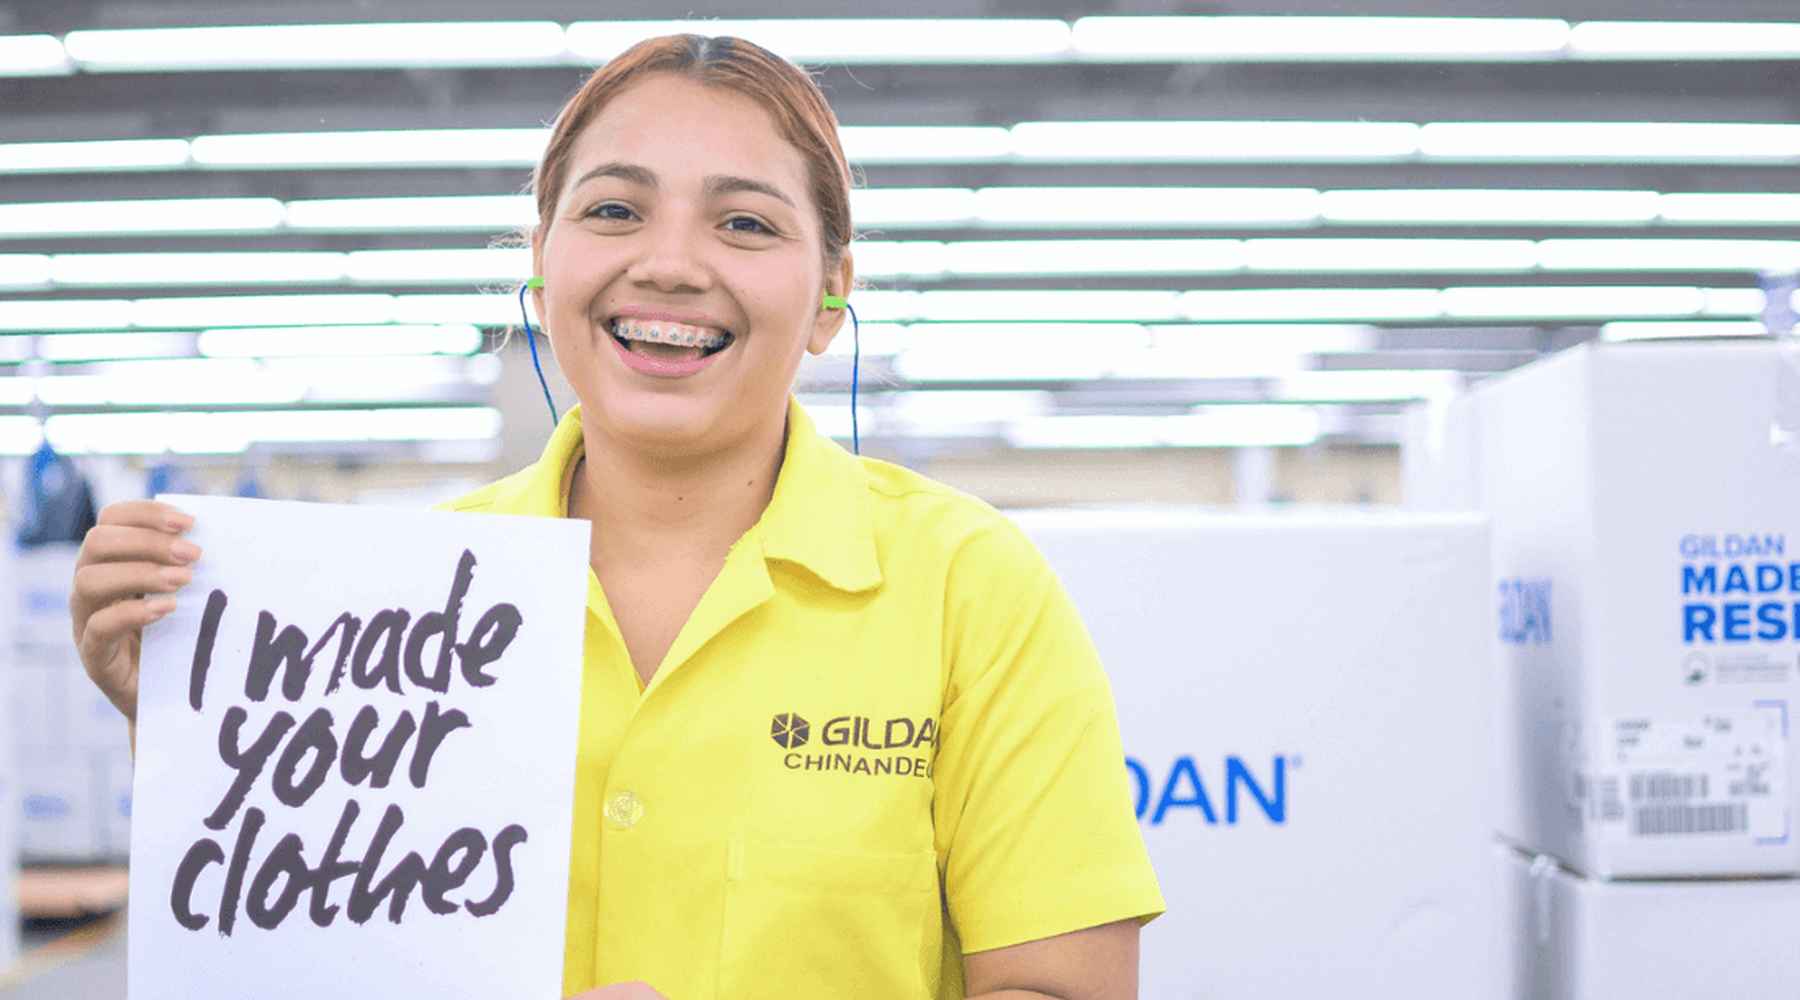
point(338, 341)
point(899, 258)
point(1730, 209)
point(161, 215)
point(487, 310)
point(1685, 40)
point(1298, 304)
point(1366, 386)
point(925, 143)
point(1145, 207)
point(91, 155)
point(1065, 257)
point(1057, 305)
point(33, 55)
point(262, 310)
point(851, 41)
point(23, 271)
point(1668, 255)
point(242, 268)
point(1215, 141)
point(1307, 39)
point(382, 267)
point(912, 208)
point(1419, 256)
point(1017, 352)
point(113, 346)
point(1610, 142)
point(319, 46)
point(18, 435)
point(35, 315)
point(476, 213)
point(1572, 302)
point(1453, 207)
point(511, 147)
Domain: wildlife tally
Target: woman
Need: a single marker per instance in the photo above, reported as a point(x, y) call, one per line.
point(843, 734)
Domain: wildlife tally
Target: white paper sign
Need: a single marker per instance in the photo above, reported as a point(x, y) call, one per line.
point(356, 753)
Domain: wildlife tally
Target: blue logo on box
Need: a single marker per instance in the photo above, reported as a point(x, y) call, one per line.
point(1182, 786)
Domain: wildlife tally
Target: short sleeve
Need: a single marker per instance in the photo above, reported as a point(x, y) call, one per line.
point(1035, 829)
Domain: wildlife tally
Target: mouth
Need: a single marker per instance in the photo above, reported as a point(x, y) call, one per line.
point(665, 341)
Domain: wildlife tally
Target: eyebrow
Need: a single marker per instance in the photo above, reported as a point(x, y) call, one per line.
point(715, 184)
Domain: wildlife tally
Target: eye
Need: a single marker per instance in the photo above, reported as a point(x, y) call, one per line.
point(611, 211)
point(751, 224)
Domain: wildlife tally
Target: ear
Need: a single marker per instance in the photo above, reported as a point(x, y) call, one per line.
point(829, 321)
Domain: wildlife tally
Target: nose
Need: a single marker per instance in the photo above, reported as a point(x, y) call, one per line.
point(670, 257)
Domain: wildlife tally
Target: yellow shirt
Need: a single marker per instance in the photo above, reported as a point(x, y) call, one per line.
point(882, 740)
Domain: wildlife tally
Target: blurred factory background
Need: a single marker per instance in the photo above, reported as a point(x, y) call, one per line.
point(261, 246)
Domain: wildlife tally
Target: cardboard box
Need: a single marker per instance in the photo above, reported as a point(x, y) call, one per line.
point(1301, 700)
point(1582, 939)
point(1648, 604)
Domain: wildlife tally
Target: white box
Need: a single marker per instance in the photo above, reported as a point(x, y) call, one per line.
point(1582, 939)
point(1648, 699)
point(115, 803)
point(62, 820)
point(1318, 679)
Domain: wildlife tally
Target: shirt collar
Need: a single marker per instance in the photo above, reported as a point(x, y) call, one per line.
point(818, 518)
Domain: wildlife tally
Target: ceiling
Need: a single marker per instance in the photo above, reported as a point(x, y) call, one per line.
point(1236, 310)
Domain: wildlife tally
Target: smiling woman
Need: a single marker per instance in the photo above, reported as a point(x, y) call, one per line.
point(955, 818)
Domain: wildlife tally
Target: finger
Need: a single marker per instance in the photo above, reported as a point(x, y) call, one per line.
point(116, 543)
point(101, 584)
point(146, 514)
point(107, 627)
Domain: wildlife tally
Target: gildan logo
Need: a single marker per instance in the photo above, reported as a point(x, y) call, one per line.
point(789, 730)
point(858, 744)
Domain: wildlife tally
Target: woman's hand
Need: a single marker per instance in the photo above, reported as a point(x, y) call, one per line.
point(621, 991)
point(130, 566)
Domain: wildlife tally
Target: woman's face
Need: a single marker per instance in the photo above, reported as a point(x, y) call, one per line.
point(684, 222)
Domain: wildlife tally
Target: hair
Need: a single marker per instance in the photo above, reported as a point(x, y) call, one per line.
point(790, 96)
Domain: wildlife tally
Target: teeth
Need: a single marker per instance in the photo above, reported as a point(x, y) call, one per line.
point(678, 334)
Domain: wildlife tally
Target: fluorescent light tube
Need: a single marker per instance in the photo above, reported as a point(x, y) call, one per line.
point(851, 41)
point(1225, 351)
point(114, 346)
point(16, 390)
point(1654, 330)
point(1489, 207)
point(33, 55)
point(162, 215)
point(1685, 40)
point(1728, 209)
point(319, 46)
point(35, 315)
point(500, 265)
point(24, 271)
point(486, 310)
point(1572, 302)
point(1610, 142)
point(1669, 255)
point(926, 143)
point(1326, 304)
point(262, 310)
point(477, 213)
point(1425, 256)
point(1062, 257)
point(912, 208)
point(151, 269)
point(18, 435)
point(338, 341)
point(95, 155)
point(1733, 303)
point(878, 340)
point(1047, 306)
point(511, 147)
point(1306, 39)
point(899, 258)
point(1022, 352)
point(1145, 207)
point(1215, 141)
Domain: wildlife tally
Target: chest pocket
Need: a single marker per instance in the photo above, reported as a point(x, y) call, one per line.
point(804, 921)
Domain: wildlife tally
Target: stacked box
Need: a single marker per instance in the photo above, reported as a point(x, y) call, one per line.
point(1575, 938)
point(68, 740)
point(1301, 700)
point(1648, 604)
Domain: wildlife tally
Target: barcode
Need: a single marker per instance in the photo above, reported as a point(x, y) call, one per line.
point(1666, 820)
point(1655, 785)
point(1611, 809)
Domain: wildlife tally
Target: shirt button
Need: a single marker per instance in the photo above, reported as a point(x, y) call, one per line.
point(624, 810)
